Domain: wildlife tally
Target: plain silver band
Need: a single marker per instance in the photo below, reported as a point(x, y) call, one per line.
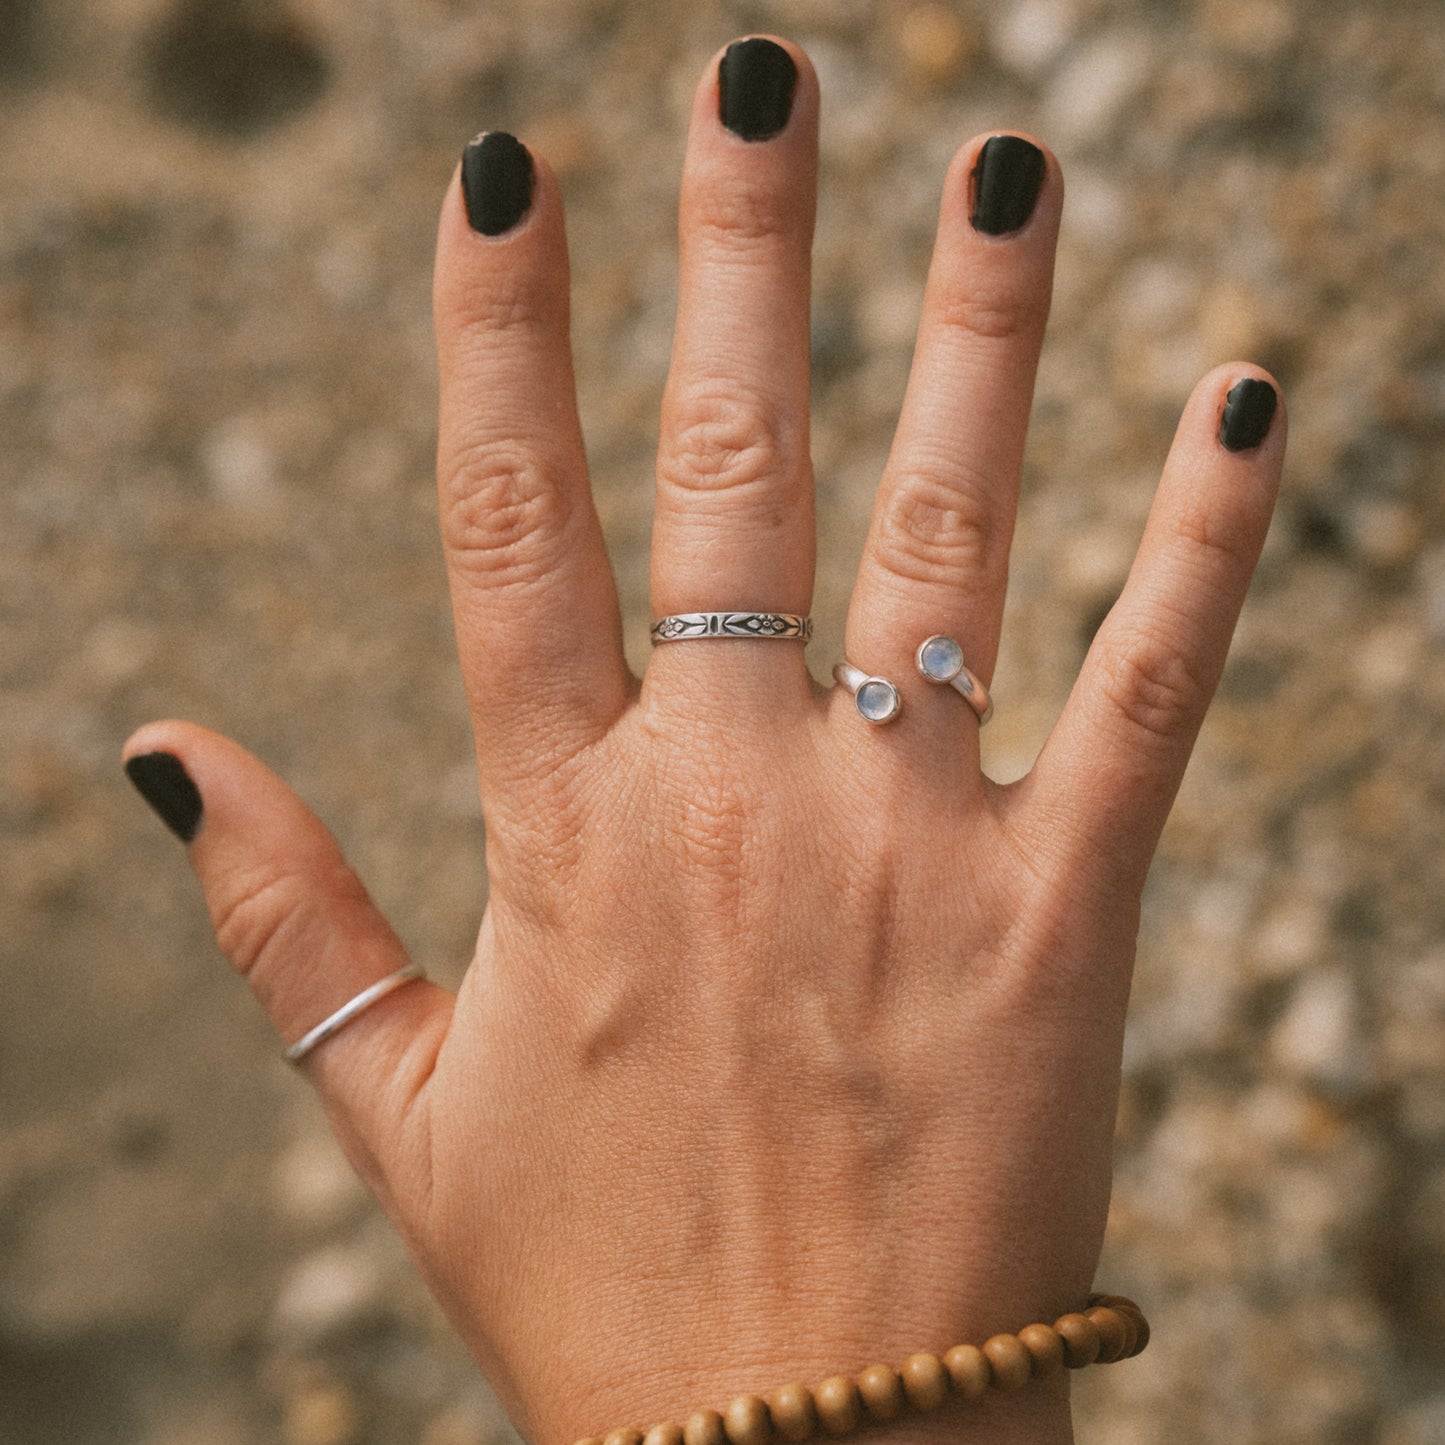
point(686, 626)
point(349, 1011)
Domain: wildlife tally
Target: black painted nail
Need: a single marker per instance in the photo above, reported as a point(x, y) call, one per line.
point(496, 182)
point(756, 80)
point(1248, 411)
point(1006, 182)
point(167, 787)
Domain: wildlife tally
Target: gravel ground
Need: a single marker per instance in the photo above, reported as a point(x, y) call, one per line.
point(216, 403)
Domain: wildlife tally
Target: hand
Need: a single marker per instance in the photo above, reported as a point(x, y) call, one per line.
point(790, 1043)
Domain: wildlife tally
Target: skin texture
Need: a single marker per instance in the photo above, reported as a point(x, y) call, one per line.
point(790, 1044)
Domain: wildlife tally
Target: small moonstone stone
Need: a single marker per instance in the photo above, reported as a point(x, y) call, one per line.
point(940, 659)
point(878, 700)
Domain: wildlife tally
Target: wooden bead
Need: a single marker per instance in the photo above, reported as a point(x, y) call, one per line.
point(622, 1436)
point(795, 1417)
point(1113, 1333)
point(1114, 1302)
point(840, 1408)
point(968, 1368)
point(882, 1392)
point(590, 1440)
point(705, 1427)
point(1081, 1340)
point(925, 1381)
point(1011, 1364)
point(663, 1435)
point(1045, 1349)
point(1142, 1336)
point(746, 1421)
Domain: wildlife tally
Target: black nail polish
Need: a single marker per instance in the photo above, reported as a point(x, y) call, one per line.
point(1006, 183)
point(496, 182)
point(1248, 411)
point(167, 787)
point(756, 80)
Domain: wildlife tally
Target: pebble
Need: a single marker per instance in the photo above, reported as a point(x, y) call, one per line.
point(313, 1184)
point(935, 44)
point(320, 1414)
point(1317, 1035)
point(330, 1291)
point(1087, 98)
point(1029, 36)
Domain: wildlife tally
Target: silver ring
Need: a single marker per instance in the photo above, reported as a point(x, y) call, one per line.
point(876, 698)
point(349, 1011)
point(684, 626)
point(940, 659)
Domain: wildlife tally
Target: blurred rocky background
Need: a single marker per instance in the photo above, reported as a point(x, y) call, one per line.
point(216, 430)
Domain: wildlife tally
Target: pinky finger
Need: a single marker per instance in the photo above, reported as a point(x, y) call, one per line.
point(1106, 778)
point(297, 924)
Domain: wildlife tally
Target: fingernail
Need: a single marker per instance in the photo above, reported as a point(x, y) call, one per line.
point(756, 80)
point(1006, 183)
point(496, 182)
point(1248, 411)
point(167, 787)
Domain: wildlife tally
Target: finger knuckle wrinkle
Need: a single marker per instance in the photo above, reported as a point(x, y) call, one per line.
point(490, 315)
point(1154, 687)
point(721, 444)
point(1214, 538)
point(992, 313)
point(503, 516)
point(930, 533)
point(737, 217)
point(253, 923)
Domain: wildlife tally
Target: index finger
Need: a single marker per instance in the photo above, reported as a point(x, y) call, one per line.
point(536, 611)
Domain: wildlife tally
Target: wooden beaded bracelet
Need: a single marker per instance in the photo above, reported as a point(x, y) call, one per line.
point(1109, 1328)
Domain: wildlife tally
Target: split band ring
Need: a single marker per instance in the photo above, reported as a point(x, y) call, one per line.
point(876, 698)
point(349, 1011)
point(940, 659)
point(686, 626)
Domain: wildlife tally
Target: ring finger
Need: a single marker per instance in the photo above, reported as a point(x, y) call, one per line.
point(733, 528)
point(936, 559)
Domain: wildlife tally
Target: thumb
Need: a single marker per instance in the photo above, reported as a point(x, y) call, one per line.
point(297, 924)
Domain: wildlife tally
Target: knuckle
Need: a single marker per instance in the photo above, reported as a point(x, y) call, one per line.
point(738, 216)
point(1214, 539)
point(930, 533)
point(721, 444)
point(259, 919)
point(993, 313)
point(506, 314)
point(1154, 687)
point(504, 516)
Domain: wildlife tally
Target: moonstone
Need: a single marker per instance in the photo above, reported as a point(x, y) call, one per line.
point(878, 700)
point(941, 659)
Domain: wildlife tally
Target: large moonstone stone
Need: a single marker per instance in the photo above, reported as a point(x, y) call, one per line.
point(941, 659)
point(878, 700)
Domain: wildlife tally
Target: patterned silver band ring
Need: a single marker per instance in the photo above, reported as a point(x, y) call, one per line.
point(940, 659)
point(349, 1011)
point(876, 698)
point(684, 626)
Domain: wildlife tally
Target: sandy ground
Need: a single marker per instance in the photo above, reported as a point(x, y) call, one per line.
point(216, 405)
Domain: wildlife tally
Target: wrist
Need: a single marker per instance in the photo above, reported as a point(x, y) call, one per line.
point(1012, 1387)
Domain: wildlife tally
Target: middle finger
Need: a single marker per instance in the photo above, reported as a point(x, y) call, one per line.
point(733, 528)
